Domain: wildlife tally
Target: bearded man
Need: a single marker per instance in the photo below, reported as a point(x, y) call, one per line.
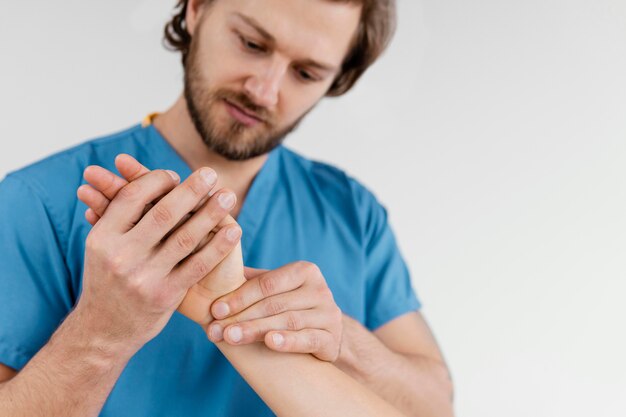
point(325, 307)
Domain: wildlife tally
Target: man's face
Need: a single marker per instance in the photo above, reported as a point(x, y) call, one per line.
point(255, 68)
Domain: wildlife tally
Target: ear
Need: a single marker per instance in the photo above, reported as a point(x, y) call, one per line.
point(195, 8)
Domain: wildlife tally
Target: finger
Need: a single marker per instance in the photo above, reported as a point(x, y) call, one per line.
point(198, 265)
point(255, 330)
point(265, 285)
point(127, 207)
point(93, 198)
point(250, 273)
point(109, 184)
point(188, 236)
point(176, 226)
point(129, 167)
point(91, 217)
point(272, 306)
point(206, 238)
point(321, 343)
point(103, 180)
point(174, 206)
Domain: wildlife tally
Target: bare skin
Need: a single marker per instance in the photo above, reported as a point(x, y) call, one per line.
point(400, 360)
point(406, 368)
point(129, 295)
point(198, 299)
point(291, 308)
point(133, 281)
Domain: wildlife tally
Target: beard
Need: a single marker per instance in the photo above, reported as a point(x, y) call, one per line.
point(230, 139)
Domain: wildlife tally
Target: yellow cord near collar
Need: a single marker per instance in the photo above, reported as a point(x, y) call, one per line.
point(147, 121)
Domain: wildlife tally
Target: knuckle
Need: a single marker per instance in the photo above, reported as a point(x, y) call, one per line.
point(267, 284)
point(293, 321)
point(137, 289)
point(325, 293)
point(130, 190)
point(184, 241)
point(274, 307)
point(116, 264)
point(161, 299)
point(308, 268)
point(250, 331)
point(313, 343)
point(92, 243)
point(236, 302)
point(199, 267)
point(214, 211)
point(222, 246)
point(197, 186)
point(161, 215)
point(163, 176)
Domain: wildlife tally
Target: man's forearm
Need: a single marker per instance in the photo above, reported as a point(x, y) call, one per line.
point(416, 385)
point(72, 375)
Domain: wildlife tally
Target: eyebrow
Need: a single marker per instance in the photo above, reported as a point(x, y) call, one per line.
point(269, 38)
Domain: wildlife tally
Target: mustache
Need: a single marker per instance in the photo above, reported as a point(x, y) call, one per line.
point(245, 102)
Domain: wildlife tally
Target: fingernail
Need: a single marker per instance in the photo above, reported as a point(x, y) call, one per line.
point(235, 334)
point(226, 200)
point(173, 174)
point(208, 175)
point(216, 332)
point(278, 339)
point(220, 310)
point(233, 233)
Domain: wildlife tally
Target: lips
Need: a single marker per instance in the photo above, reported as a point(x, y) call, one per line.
point(242, 115)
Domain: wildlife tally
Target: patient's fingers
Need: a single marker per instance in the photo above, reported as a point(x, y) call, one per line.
point(129, 167)
point(98, 203)
point(104, 180)
point(104, 185)
point(91, 217)
point(93, 198)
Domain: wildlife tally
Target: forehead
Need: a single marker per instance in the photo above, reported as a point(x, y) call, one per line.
point(310, 29)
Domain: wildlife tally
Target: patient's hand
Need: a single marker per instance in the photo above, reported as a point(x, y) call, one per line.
point(226, 277)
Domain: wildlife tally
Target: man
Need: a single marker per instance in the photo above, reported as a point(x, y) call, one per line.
point(252, 71)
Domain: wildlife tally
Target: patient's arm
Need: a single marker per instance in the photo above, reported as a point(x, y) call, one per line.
point(297, 384)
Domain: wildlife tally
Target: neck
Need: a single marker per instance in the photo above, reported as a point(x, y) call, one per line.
point(176, 126)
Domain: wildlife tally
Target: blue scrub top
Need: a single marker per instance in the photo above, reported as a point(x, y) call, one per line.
point(296, 209)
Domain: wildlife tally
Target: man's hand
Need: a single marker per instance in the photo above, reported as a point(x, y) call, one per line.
point(222, 279)
point(273, 303)
point(291, 309)
point(137, 268)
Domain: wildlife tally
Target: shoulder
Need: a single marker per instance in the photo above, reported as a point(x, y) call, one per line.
point(343, 193)
point(62, 170)
point(52, 181)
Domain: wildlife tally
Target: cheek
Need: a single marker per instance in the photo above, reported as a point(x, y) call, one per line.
point(295, 103)
point(221, 65)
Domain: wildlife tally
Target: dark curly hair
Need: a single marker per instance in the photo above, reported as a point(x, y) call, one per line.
point(376, 28)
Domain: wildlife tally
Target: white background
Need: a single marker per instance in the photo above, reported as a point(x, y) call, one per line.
point(493, 130)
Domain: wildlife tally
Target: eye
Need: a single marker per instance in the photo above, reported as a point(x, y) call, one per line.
point(306, 76)
point(250, 45)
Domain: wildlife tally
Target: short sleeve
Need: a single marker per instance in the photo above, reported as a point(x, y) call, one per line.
point(35, 294)
point(389, 293)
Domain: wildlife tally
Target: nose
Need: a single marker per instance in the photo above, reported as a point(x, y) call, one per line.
point(264, 86)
